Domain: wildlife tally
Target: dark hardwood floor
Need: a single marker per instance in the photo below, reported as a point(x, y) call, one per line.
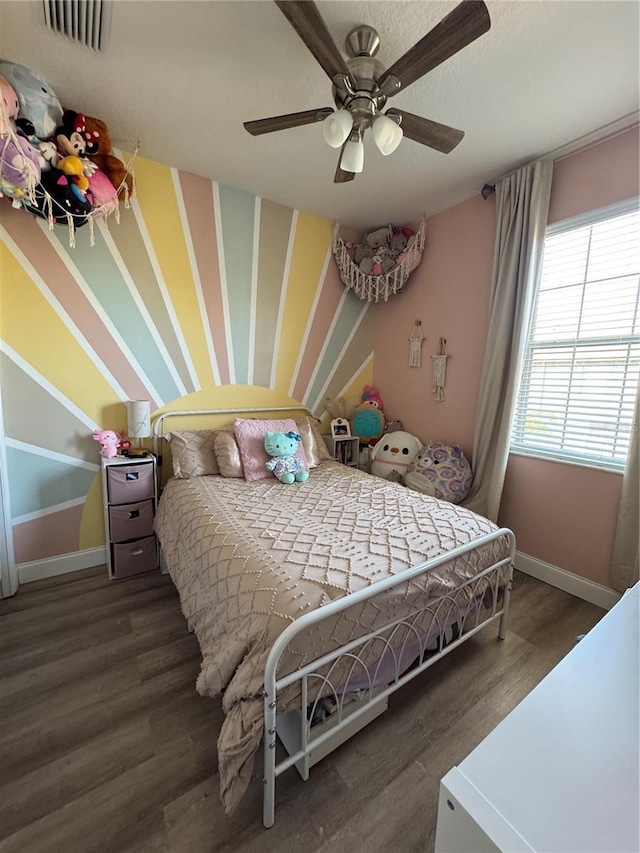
point(106, 747)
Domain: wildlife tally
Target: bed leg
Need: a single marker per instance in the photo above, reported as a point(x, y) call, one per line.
point(269, 798)
point(502, 630)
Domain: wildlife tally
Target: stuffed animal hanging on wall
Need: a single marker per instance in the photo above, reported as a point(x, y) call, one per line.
point(99, 152)
point(19, 160)
point(38, 102)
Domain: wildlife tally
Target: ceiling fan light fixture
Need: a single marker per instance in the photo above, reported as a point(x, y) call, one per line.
point(386, 134)
point(337, 127)
point(352, 157)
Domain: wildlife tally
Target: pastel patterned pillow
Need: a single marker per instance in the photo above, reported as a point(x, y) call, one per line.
point(250, 435)
point(192, 453)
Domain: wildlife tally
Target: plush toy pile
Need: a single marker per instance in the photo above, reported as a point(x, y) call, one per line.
point(381, 250)
point(54, 162)
point(436, 469)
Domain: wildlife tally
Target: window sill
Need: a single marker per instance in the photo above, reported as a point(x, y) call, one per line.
point(594, 466)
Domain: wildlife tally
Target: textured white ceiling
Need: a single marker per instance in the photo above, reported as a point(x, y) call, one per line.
point(181, 77)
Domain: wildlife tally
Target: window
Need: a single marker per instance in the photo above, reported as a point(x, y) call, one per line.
point(582, 358)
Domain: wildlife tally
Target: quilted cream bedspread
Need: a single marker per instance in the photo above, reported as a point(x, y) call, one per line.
point(248, 558)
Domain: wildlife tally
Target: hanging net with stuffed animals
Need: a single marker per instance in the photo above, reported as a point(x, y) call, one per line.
point(55, 163)
point(381, 264)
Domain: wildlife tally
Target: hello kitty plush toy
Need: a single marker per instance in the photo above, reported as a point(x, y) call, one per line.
point(393, 454)
point(284, 464)
point(109, 442)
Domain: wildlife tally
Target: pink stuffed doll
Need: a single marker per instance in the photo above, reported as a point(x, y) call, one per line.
point(19, 161)
point(109, 442)
point(371, 397)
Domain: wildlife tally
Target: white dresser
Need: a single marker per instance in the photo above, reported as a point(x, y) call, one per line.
point(561, 772)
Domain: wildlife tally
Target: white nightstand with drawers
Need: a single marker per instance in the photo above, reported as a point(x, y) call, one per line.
point(130, 496)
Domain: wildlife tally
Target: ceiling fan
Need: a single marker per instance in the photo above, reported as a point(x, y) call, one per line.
point(362, 86)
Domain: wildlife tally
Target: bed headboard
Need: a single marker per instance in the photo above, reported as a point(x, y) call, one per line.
point(214, 418)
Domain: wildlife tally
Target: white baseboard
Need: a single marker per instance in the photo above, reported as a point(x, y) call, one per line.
point(61, 565)
point(590, 591)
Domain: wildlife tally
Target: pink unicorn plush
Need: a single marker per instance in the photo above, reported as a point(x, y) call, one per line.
point(109, 442)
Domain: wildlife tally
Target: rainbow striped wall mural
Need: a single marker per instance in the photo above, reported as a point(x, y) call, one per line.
point(202, 292)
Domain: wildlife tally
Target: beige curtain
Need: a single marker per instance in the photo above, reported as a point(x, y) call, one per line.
point(624, 562)
point(522, 209)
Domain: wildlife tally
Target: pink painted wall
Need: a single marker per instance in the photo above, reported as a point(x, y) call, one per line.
point(596, 177)
point(562, 514)
point(449, 294)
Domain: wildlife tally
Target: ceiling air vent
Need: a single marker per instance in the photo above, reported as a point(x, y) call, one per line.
point(83, 21)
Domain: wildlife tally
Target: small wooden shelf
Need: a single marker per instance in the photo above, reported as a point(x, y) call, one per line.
point(344, 448)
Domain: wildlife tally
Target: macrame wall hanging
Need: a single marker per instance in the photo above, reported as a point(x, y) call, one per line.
point(440, 369)
point(415, 345)
point(383, 280)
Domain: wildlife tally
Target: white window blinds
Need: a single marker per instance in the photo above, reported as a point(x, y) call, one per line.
point(582, 360)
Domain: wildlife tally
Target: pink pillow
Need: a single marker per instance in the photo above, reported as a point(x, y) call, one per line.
point(250, 437)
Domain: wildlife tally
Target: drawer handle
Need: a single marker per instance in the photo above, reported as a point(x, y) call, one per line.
point(135, 513)
point(137, 552)
point(131, 475)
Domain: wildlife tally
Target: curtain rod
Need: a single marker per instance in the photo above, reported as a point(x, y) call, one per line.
point(582, 143)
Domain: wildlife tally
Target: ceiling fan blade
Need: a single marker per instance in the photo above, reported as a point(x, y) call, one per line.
point(306, 20)
point(439, 136)
point(341, 177)
point(269, 125)
point(469, 20)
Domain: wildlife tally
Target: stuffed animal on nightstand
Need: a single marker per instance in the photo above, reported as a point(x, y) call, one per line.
point(284, 464)
point(109, 442)
point(393, 454)
point(367, 421)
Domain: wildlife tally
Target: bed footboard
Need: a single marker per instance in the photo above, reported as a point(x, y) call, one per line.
point(471, 606)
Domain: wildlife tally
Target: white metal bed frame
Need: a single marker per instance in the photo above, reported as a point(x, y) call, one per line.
point(442, 612)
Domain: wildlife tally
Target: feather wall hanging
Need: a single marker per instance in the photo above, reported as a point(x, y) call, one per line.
point(440, 369)
point(415, 345)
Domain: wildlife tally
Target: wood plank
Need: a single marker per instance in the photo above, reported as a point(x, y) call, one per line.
point(50, 787)
point(117, 806)
point(20, 630)
point(149, 647)
point(34, 594)
point(68, 640)
point(106, 747)
point(41, 736)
